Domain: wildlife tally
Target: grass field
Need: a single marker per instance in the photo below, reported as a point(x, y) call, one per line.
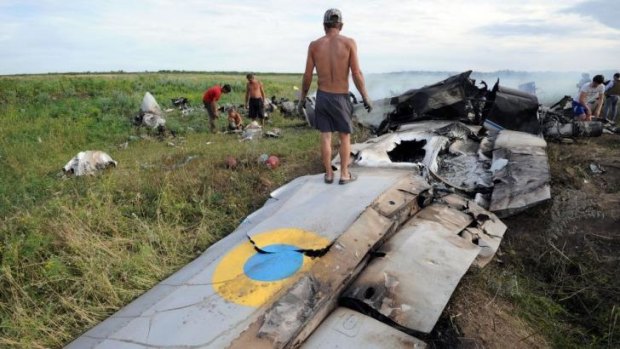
point(75, 250)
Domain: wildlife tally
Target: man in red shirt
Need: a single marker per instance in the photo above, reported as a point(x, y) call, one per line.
point(210, 99)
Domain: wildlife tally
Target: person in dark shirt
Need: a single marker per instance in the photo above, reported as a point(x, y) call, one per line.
point(612, 91)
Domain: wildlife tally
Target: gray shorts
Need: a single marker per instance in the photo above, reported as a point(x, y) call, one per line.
point(333, 112)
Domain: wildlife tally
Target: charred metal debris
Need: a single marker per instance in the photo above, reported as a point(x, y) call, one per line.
point(459, 98)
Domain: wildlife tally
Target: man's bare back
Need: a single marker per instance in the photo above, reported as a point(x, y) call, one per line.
point(331, 55)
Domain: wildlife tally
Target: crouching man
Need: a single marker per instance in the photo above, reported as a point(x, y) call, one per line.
point(235, 122)
point(590, 92)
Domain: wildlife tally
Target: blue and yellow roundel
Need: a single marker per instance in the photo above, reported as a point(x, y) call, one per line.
point(247, 277)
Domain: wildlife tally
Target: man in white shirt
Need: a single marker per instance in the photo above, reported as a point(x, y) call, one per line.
point(612, 90)
point(591, 92)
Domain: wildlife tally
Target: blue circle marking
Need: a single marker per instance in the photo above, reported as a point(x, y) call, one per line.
point(281, 262)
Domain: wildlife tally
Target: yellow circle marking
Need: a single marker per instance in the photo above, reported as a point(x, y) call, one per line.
point(231, 283)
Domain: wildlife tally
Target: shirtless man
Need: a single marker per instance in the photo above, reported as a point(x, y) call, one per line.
point(254, 98)
point(334, 55)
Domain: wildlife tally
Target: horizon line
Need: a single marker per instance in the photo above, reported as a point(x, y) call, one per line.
point(235, 72)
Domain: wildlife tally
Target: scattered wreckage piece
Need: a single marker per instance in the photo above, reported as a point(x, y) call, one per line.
point(291, 317)
point(274, 133)
point(511, 167)
point(462, 167)
point(150, 114)
point(511, 109)
point(88, 163)
point(309, 111)
point(270, 105)
point(181, 103)
point(558, 122)
point(556, 129)
point(418, 269)
point(454, 98)
point(521, 175)
point(446, 150)
point(457, 98)
point(488, 231)
point(528, 87)
point(417, 145)
point(380, 110)
point(252, 131)
point(345, 328)
point(287, 108)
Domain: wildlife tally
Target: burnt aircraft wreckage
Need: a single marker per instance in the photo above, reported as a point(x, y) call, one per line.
point(370, 264)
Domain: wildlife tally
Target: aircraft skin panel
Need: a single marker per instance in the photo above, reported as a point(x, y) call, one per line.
point(345, 328)
point(209, 301)
point(115, 344)
point(422, 266)
point(337, 206)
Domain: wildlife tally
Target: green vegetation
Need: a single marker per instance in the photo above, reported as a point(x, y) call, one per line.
point(560, 262)
point(75, 250)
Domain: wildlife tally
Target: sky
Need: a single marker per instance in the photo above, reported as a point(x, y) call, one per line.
point(43, 36)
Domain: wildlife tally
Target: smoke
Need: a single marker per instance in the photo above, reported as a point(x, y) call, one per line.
point(550, 86)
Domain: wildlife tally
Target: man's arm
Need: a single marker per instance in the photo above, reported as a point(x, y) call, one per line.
point(307, 79)
point(599, 104)
point(262, 91)
point(247, 94)
point(358, 77)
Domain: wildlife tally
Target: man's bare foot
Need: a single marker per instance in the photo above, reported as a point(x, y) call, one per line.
point(328, 179)
point(351, 178)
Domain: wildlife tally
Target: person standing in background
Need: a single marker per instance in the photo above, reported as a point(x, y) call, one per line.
point(612, 91)
point(255, 98)
point(585, 78)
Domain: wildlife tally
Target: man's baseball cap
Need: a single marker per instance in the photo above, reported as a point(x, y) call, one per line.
point(332, 16)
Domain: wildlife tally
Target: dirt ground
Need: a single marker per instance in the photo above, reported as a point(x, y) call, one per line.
point(564, 256)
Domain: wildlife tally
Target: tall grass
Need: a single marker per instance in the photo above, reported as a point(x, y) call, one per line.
point(75, 250)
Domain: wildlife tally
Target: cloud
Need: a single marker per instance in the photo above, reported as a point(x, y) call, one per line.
point(273, 35)
point(527, 29)
point(605, 12)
